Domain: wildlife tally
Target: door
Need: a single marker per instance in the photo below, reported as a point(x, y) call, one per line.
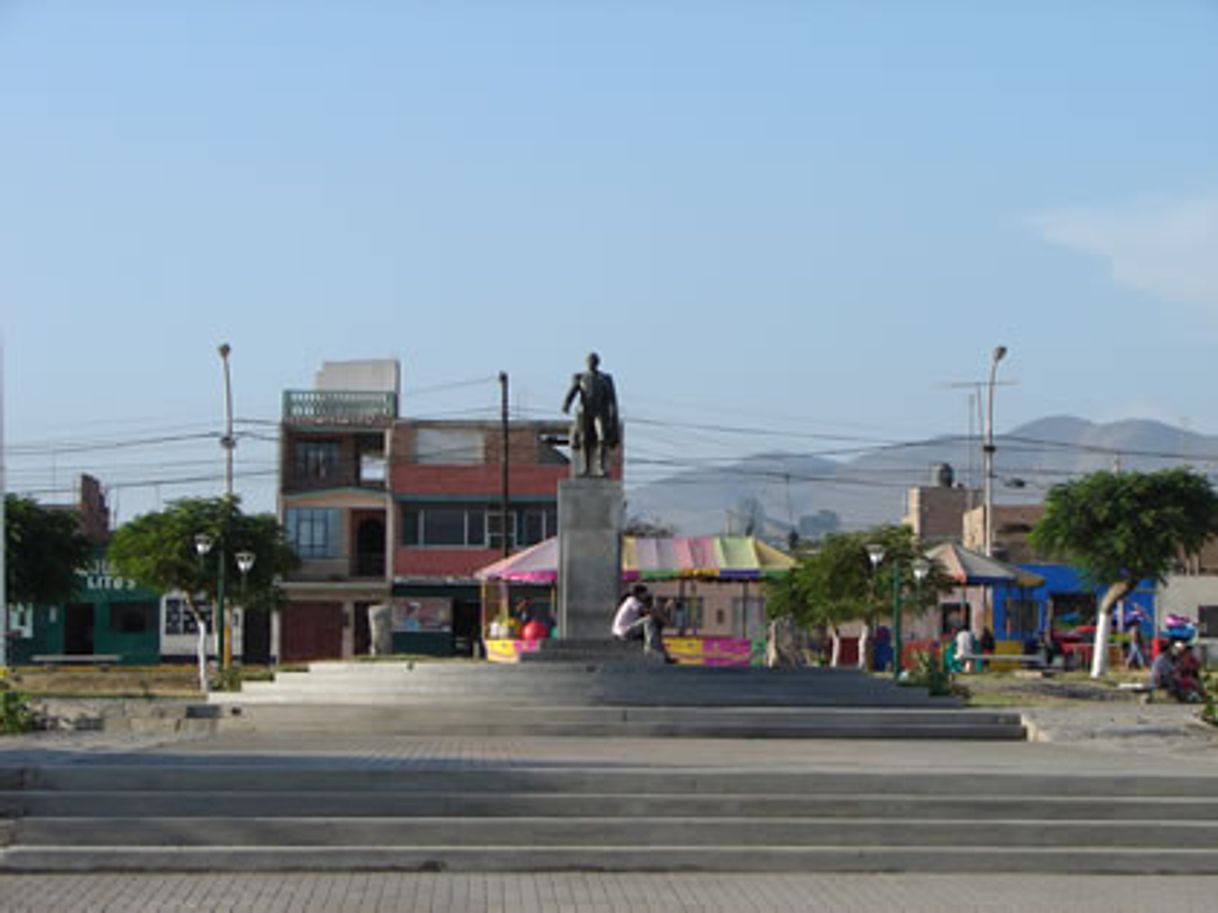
point(78, 629)
point(361, 642)
point(311, 630)
point(466, 622)
point(255, 637)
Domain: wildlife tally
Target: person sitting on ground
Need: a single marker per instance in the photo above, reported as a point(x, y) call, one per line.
point(635, 621)
point(1162, 671)
point(1187, 686)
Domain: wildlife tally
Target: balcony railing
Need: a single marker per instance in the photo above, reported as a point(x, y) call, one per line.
point(338, 407)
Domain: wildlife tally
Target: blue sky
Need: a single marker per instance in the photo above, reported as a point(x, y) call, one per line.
point(795, 216)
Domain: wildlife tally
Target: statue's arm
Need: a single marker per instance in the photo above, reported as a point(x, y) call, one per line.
point(613, 421)
point(571, 394)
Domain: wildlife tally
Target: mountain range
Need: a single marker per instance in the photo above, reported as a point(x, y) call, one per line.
point(771, 493)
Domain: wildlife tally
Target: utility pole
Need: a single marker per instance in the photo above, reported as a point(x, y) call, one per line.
point(999, 353)
point(503, 462)
point(228, 443)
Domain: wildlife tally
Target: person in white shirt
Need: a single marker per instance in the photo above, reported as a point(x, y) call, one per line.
point(635, 621)
point(964, 648)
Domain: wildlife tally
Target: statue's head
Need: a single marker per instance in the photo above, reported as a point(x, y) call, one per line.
point(594, 361)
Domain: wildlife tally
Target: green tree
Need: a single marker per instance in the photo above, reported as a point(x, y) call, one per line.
point(44, 548)
point(1120, 528)
point(835, 584)
point(158, 550)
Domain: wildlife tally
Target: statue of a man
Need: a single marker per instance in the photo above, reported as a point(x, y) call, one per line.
point(596, 429)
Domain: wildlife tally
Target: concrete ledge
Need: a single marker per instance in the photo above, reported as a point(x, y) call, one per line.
point(878, 858)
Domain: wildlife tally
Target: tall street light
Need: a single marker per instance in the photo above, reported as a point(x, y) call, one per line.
point(203, 544)
point(875, 552)
point(920, 567)
point(228, 442)
point(245, 563)
point(999, 353)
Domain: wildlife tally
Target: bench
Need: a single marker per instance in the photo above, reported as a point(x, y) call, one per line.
point(1144, 690)
point(76, 659)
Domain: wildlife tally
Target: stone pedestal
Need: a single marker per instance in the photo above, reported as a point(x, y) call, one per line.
point(590, 516)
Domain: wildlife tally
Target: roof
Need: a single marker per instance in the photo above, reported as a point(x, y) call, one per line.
point(647, 558)
point(972, 568)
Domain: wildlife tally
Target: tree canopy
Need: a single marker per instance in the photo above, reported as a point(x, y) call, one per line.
point(1120, 528)
point(44, 549)
point(158, 549)
point(835, 583)
point(1127, 526)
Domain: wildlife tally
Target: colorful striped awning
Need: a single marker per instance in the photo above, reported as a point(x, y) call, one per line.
point(645, 558)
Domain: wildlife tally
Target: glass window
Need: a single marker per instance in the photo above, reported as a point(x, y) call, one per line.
point(494, 523)
point(133, 617)
point(475, 528)
point(317, 459)
point(178, 617)
point(411, 517)
point(443, 526)
point(313, 532)
point(534, 526)
point(449, 446)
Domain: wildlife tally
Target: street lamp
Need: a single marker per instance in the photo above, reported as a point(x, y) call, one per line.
point(203, 544)
point(228, 442)
point(245, 563)
point(875, 552)
point(920, 567)
point(998, 354)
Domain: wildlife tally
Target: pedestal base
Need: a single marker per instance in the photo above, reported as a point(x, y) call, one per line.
point(589, 556)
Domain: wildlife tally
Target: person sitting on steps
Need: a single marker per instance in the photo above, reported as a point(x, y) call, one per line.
point(635, 620)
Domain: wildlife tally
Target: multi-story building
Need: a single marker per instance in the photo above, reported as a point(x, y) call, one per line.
point(447, 484)
point(336, 508)
point(386, 509)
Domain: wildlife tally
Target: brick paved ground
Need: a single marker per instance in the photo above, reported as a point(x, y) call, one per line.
point(596, 893)
point(1094, 739)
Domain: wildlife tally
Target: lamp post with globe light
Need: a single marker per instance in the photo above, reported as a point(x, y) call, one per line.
point(875, 552)
point(921, 568)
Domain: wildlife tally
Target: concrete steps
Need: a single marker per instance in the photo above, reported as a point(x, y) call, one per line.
point(598, 699)
point(299, 817)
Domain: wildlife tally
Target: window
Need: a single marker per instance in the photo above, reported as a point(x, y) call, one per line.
point(449, 446)
point(313, 532)
point(494, 528)
point(1207, 620)
point(751, 613)
point(458, 526)
point(133, 617)
point(539, 523)
point(444, 526)
point(317, 460)
point(178, 617)
point(1022, 617)
point(687, 614)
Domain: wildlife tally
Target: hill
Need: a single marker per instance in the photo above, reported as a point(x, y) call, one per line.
point(771, 492)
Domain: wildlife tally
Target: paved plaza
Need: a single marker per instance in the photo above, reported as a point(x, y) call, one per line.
point(601, 893)
point(1103, 740)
